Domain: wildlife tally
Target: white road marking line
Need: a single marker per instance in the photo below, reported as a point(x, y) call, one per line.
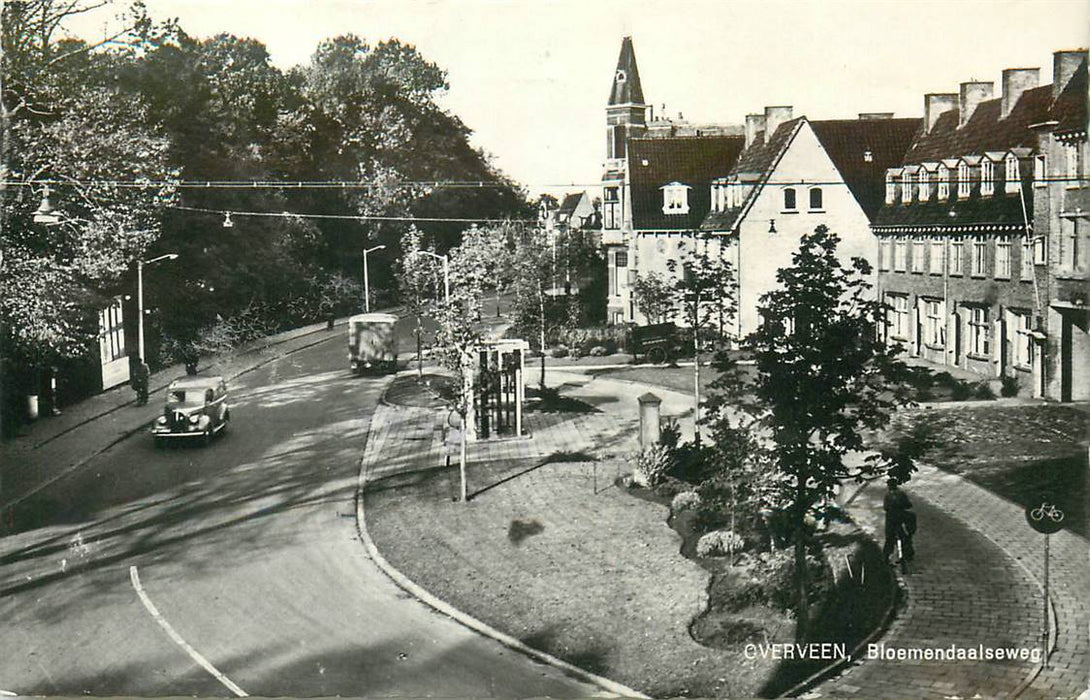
point(193, 653)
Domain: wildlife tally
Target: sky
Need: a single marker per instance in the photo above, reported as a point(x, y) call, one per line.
point(531, 77)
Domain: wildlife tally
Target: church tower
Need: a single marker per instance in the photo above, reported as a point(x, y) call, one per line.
point(626, 113)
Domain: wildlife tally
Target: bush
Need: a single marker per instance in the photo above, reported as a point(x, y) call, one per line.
point(776, 573)
point(598, 351)
point(559, 351)
point(686, 500)
point(651, 466)
point(691, 463)
point(983, 390)
point(719, 543)
point(710, 515)
point(960, 391)
point(1009, 387)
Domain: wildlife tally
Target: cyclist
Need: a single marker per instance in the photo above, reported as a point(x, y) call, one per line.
point(900, 522)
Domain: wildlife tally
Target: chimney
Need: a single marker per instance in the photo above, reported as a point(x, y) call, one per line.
point(1015, 82)
point(774, 116)
point(1064, 64)
point(872, 116)
point(972, 94)
point(934, 104)
point(755, 123)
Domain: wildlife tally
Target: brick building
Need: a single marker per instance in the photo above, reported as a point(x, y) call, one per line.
point(963, 263)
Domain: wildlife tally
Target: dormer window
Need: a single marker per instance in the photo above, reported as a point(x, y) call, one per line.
point(675, 198)
point(906, 188)
point(621, 76)
point(944, 182)
point(891, 188)
point(987, 178)
point(924, 182)
point(1012, 176)
point(965, 185)
point(790, 202)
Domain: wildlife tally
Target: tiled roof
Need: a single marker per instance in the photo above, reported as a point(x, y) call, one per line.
point(759, 159)
point(1069, 109)
point(693, 161)
point(570, 203)
point(985, 131)
point(847, 140)
point(629, 90)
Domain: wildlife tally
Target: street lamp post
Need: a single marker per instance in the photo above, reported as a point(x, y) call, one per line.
point(366, 282)
point(140, 295)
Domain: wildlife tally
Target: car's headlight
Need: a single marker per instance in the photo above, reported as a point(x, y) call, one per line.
point(195, 418)
point(161, 420)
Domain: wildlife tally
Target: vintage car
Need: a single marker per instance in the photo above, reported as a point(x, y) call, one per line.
point(372, 342)
point(196, 407)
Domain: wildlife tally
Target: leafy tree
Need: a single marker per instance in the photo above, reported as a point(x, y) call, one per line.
point(823, 375)
point(654, 296)
point(703, 297)
point(535, 312)
point(414, 286)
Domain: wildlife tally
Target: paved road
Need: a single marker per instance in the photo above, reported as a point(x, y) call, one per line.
point(235, 568)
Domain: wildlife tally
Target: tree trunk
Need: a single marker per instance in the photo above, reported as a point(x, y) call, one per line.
point(541, 315)
point(802, 573)
point(462, 453)
point(696, 387)
point(419, 347)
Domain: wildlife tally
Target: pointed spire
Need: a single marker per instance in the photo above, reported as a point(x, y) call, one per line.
point(626, 81)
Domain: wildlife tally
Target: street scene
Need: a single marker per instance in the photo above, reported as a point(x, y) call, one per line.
point(340, 356)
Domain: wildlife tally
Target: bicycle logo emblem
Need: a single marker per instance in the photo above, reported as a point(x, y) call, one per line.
point(1046, 518)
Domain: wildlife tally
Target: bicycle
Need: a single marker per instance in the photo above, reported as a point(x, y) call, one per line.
point(1047, 509)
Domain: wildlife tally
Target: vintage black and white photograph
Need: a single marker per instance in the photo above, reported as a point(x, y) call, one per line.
point(545, 348)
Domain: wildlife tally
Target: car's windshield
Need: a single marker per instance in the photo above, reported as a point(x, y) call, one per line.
point(192, 397)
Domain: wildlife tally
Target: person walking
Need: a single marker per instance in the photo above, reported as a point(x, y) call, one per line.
point(140, 376)
point(900, 524)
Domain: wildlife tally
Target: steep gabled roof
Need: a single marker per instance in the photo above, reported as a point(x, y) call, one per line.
point(756, 162)
point(848, 141)
point(692, 160)
point(626, 88)
point(1070, 110)
point(570, 203)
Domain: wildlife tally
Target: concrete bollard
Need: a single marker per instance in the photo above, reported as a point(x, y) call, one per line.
point(650, 428)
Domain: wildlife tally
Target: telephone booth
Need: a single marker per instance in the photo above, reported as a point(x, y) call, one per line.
point(500, 392)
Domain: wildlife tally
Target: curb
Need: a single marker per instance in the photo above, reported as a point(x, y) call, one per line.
point(409, 586)
point(146, 424)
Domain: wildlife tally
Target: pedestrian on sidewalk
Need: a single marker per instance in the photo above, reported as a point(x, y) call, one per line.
point(141, 374)
point(900, 523)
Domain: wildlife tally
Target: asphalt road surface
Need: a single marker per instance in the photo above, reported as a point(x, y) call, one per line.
point(236, 568)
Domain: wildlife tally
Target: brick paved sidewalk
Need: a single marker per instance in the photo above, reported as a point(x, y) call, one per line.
point(51, 447)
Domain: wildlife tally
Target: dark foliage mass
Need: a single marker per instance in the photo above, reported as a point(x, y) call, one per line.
point(152, 104)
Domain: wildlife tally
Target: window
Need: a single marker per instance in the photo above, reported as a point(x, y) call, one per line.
point(1003, 258)
point(957, 257)
point(675, 198)
point(987, 177)
point(611, 208)
point(1023, 339)
point(980, 257)
point(979, 331)
point(789, 203)
point(937, 260)
point(884, 251)
point(964, 184)
point(900, 254)
point(906, 188)
point(1027, 259)
point(1069, 243)
point(897, 316)
point(621, 258)
point(1039, 250)
point(815, 199)
point(924, 181)
point(1071, 165)
point(944, 182)
point(1040, 171)
point(891, 188)
point(1012, 176)
point(918, 255)
point(934, 323)
point(111, 329)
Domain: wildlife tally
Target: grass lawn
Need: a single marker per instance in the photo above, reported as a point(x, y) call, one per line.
point(1025, 453)
point(676, 378)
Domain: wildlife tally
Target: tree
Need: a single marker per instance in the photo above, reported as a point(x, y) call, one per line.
point(535, 313)
point(824, 375)
point(654, 296)
point(703, 296)
point(414, 287)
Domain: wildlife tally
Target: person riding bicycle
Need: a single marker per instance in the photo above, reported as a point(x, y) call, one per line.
point(900, 522)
